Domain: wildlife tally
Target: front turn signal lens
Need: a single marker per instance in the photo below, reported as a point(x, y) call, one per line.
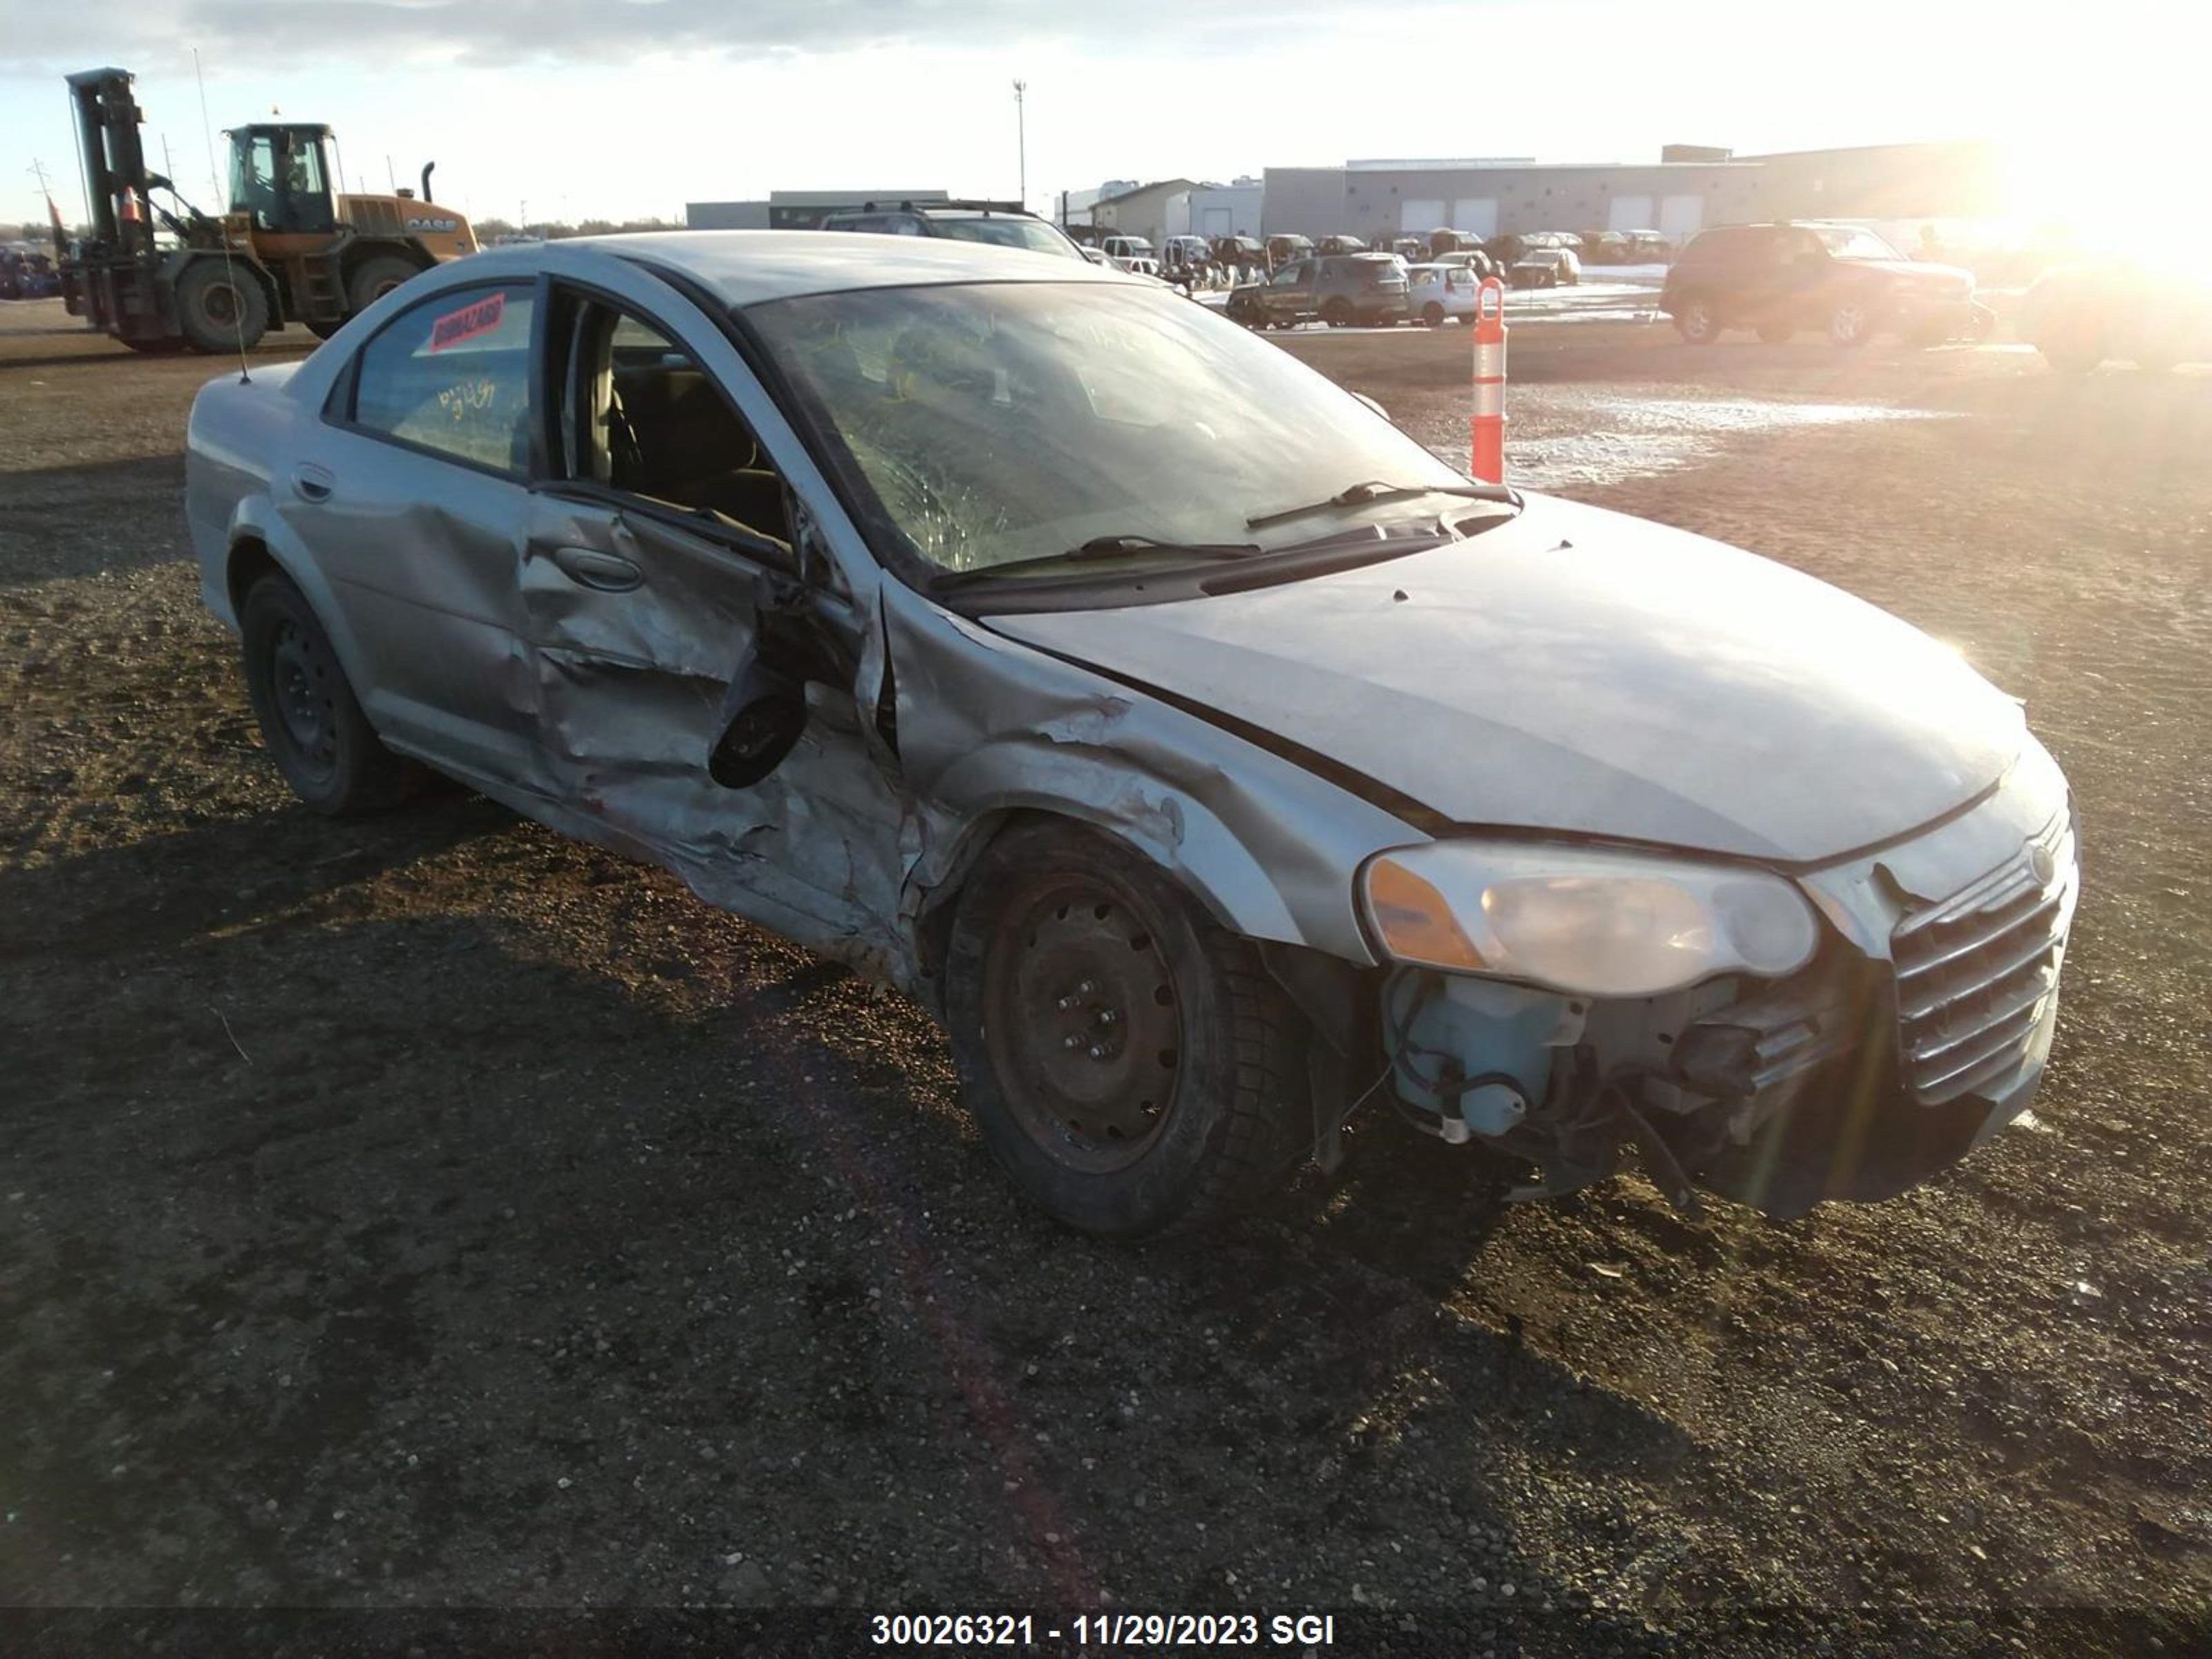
point(1414, 922)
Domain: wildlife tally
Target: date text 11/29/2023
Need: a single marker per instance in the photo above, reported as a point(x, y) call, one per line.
point(1106, 1630)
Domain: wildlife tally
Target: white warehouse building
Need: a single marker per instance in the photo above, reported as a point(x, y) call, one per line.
point(1212, 211)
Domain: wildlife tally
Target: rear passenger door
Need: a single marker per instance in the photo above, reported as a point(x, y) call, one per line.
point(411, 495)
point(665, 568)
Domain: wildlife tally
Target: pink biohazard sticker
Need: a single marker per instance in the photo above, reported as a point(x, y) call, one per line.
point(478, 317)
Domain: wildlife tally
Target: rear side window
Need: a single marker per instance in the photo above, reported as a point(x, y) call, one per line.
point(452, 375)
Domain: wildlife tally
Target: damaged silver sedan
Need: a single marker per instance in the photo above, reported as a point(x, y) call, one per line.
point(1212, 760)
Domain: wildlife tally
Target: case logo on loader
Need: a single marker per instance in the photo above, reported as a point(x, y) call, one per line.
point(434, 224)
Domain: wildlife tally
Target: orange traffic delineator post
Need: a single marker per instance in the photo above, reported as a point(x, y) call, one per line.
point(1490, 381)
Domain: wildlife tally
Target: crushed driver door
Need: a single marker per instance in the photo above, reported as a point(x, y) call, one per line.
point(647, 638)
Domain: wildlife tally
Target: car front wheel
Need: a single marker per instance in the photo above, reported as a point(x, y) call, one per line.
point(1850, 324)
point(309, 717)
point(1127, 1060)
point(1433, 314)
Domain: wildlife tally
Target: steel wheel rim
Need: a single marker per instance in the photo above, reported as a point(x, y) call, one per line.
point(299, 688)
point(1700, 320)
point(219, 302)
point(1083, 1022)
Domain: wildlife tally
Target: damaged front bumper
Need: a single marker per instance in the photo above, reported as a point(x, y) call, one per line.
point(1921, 1027)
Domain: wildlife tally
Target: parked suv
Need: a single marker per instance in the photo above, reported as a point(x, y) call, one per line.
point(1340, 289)
point(1779, 278)
point(1003, 227)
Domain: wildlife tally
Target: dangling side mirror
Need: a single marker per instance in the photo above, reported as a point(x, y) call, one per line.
point(767, 715)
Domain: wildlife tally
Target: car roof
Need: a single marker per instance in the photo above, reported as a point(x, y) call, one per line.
point(751, 267)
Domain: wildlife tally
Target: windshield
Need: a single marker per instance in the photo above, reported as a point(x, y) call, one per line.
point(1850, 242)
point(1036, 237)
point(991, 424)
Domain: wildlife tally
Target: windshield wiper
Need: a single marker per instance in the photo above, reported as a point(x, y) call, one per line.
point(1102, 547)
point(1375, 489)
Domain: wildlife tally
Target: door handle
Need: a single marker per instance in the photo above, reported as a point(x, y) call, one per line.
point(589, 568)
point(313, 483)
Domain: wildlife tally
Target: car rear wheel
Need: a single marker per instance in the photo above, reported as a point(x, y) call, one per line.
point(1337, 313)
point(1127, 1060)
point(1698, 323)
point(1850, 324)
point(309, 717)
point(1433, 314)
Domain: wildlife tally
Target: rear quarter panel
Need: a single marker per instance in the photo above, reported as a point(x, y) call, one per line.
point(234, 443)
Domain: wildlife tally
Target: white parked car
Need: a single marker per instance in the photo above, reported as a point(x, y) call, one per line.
point(1132, 253)
point(1439, 293)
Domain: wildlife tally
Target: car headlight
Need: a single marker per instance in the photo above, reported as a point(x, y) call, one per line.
point(1590, 921)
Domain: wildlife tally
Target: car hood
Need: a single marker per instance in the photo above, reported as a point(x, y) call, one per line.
point(1579, 670)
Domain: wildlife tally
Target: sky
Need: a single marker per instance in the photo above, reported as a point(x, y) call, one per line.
point(574, 109)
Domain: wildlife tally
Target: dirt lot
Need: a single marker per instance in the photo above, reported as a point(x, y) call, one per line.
point(430, 1212)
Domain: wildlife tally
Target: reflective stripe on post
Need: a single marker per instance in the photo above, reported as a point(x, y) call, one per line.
point(1489, 426)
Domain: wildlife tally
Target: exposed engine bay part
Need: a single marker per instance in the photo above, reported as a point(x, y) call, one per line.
point(1475, 1054)
point(1711, 1086)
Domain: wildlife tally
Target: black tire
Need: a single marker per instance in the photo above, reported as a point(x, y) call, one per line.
point(310, 720)
point(324, 330)
point(1433, 314)
point(1697, 321)
point(375, 277)
point(2072, 358)
point(1337, 313)
point(1170, 1098)
point(220, 305)
point(1851, 325)
point(1777, 333)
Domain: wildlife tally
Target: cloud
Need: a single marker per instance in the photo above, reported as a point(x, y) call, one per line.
point(487, 32)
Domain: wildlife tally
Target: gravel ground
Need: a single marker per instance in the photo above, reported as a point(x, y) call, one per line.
point(428, 1211)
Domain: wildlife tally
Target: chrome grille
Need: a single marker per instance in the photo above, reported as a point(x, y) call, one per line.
point(1975, 971)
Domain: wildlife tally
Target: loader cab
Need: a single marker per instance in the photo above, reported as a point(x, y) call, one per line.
point(280, 176)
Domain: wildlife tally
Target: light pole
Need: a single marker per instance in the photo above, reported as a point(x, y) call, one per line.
point(1022, 140)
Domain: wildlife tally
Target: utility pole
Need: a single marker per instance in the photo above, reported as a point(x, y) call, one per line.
point(1022, 140)
point(38, 170)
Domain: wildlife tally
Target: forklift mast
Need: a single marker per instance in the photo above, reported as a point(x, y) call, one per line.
point(113, 163)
